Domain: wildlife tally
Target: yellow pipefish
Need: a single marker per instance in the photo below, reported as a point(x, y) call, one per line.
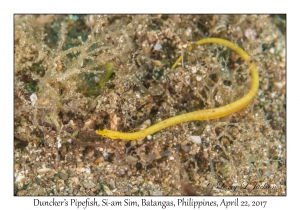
point(201, 114)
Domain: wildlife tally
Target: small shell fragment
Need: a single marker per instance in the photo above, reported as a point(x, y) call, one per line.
point(33, 98)
point(196, 139)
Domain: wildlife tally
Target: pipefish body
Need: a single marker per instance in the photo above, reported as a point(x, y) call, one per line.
point(206, 114)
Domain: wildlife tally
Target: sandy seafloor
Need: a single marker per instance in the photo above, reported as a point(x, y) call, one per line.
point(63, 94)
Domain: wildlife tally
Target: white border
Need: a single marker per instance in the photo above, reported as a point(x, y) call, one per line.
point(8, 8)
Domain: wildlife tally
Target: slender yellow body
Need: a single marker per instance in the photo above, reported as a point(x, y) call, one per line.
point(206, 114)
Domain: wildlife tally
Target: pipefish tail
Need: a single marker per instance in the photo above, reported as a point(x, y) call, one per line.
point(201, 114)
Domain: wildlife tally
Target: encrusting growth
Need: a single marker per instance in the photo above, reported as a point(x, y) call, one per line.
point(201, 114)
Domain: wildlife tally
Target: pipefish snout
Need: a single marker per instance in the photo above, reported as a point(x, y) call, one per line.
point(201, 114)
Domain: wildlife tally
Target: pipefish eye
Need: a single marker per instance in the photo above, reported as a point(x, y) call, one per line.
point(201, 114)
